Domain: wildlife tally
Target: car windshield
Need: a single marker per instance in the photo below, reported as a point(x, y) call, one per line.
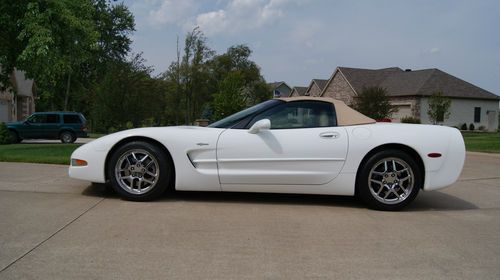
point(237, 117)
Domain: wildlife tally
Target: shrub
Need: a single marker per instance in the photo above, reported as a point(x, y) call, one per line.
point(464, 126)
point(409, 119)
point(482, 128)
point(5, 135)
point(471, 127)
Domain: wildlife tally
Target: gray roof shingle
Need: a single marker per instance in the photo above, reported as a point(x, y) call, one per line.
point(414, 83)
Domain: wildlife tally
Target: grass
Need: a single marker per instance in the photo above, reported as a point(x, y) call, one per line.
point(488, 142)
point(60, 153)
point(37, 153)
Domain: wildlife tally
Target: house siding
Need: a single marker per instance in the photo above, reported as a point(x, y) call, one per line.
point(339, 89)
point(314, 91)
point(462, 111)
point(402, 101)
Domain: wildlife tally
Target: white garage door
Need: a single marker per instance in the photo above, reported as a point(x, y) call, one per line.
point(403, 111)
point(4, 111)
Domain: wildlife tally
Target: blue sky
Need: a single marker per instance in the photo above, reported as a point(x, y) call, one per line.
point(297, 40)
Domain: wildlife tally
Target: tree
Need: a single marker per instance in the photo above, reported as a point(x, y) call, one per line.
point(128, 96)
point(229, 98)
point(439, 107)
point(237, 58)
point(374, 103)
point(63, 45)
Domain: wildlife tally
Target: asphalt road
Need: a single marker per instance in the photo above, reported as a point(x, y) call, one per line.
point(53, 227)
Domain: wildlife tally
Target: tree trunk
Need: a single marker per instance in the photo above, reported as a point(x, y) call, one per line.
point(66, 98)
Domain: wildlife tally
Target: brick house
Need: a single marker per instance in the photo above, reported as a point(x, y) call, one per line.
point(409, 91)
point(316, 87)
point(17, 106)
point(298, 91)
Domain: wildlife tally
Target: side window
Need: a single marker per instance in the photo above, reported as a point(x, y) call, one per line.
point(71, 119)
point(52, 118)
point(38, 119)
point(299, 114)
point(477, 114)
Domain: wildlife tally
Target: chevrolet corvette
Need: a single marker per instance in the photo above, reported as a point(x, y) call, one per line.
point(284, 145)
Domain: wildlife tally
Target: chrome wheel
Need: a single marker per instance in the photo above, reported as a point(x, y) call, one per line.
point(391, 180)
point(137, 171)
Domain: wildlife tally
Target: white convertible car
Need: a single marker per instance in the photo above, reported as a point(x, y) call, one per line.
point(286, 145)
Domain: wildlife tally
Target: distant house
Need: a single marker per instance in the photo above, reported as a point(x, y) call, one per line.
point(280, 89)
point(298, 91)
point(410, 90)
point(17, 106)
point(316, 87)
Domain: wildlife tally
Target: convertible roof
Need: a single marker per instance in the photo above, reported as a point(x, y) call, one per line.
point(345, 114)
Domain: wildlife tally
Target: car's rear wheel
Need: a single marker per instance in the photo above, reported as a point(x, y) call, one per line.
point(389, 180)
point(15, 136)
point(67, 137)
point(139, 171)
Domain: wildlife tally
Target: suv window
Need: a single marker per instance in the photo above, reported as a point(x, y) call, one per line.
point(38, 119)
point(299, 114)
point(72, 119)
point(52, 118)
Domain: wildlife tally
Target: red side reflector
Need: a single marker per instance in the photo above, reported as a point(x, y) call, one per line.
point(434, 155)
point(78, 162)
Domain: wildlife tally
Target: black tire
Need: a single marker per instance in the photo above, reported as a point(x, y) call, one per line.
point(140, 172)
point(67, 137)
point(15, 136)
point(383, 188)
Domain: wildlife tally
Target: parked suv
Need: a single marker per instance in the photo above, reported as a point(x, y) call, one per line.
point(66, 126)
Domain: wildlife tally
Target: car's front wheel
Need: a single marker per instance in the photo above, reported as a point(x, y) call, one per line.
point(389, 180)
point(139, 171)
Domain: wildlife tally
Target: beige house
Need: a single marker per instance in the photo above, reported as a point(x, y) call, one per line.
point(316, 87)
point(298, 91)
point(17, 106)
point(410, 90)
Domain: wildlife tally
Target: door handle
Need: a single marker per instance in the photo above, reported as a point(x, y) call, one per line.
point(329, 134)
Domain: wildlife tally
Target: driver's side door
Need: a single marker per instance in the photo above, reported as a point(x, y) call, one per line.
point(302, 147)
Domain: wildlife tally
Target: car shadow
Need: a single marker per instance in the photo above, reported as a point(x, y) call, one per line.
point(439, 201)
point(426, 201)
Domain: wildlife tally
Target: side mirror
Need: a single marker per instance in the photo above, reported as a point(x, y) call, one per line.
point(26, 122)
point(263, 124)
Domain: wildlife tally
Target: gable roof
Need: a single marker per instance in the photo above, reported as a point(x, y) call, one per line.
point(275, 85)
point(320, 83)
point(300, 90)
point(424, 82)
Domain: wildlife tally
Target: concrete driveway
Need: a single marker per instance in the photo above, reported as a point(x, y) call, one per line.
point(53, 227)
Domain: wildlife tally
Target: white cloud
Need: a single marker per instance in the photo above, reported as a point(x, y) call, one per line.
point(434, 50)
point(173, 11)
point(240, 15)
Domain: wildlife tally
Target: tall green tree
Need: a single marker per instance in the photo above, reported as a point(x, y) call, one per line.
point(61, 44)
point(374, 103)
point(229, 97)
point(439, 106)
point(194, 73)
point(128, 96)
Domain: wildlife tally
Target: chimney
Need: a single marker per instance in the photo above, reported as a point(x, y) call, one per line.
point(408, 70)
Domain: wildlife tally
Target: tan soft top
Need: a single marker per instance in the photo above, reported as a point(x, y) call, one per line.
point(345, 114)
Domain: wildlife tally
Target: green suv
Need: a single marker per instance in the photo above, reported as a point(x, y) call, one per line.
point(66, 126)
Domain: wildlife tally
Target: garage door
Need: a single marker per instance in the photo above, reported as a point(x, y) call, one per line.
point(402, 111)
point(4, 111)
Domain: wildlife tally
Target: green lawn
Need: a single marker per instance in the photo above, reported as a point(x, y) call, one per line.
point(60, 153)
point(37, 153)
point(482, 141)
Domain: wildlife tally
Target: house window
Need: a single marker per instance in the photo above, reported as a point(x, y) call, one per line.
point(477, 114)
